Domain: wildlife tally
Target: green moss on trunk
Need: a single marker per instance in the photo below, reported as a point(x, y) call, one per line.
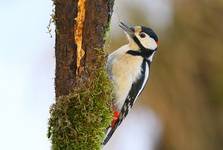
point(79, 120)
point(82, 111)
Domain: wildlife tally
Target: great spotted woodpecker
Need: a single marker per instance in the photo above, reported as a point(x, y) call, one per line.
point(128, 68)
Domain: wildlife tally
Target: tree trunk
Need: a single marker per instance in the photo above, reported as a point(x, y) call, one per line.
point(83, 92)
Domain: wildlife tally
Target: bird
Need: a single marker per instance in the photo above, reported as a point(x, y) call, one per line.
point(128, 69)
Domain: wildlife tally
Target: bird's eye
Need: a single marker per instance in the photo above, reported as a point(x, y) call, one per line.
point(142, 35)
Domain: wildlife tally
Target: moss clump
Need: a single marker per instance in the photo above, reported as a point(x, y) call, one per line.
point(79, 120)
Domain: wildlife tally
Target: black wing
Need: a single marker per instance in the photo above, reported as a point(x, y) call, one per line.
point(135, 91)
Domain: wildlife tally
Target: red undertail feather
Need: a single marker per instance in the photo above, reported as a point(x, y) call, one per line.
point(115, 118)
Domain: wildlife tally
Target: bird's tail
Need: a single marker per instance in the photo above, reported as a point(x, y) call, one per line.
point(111, 129)
point(109, 134)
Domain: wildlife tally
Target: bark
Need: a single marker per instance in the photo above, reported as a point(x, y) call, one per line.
point(96, 22)
point(83, 92)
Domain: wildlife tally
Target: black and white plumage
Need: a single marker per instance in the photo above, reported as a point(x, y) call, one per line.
point(128, 68)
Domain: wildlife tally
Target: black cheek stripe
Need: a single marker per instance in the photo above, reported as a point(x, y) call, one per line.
point(138, 42)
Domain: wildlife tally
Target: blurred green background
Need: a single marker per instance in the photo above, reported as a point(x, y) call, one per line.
point(186, 83)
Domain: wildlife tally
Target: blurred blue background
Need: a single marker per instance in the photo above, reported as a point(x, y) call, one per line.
point(26, 74)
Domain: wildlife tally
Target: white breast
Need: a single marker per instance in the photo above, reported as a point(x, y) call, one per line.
point(123, 70)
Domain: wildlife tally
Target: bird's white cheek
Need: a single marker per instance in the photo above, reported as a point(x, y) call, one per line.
point(149, 43)
point(152, 44)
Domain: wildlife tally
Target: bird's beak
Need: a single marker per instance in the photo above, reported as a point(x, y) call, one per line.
point(129, 30)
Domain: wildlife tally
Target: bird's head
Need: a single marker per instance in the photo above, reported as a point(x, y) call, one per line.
point(140, 37)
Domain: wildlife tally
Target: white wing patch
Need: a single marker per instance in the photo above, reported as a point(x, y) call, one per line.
point(145, 80)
